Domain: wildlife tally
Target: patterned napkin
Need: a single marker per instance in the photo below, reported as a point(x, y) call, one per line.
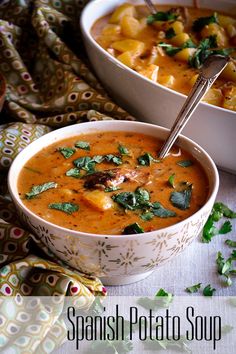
point(49, 85)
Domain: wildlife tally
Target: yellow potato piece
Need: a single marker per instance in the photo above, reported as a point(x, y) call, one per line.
point(214, 96)
point(213, 29)
point(224, 21)
point(230, 98)
point(130, 27)
point(229, 73)
point(167, 80)
point(185, 54)
point(98, 200)
point(177, 26)
point(127, 58)
point(111, 30)
point(124, 9)
point(151, 72)
point(193, 79)
point(231, 30)
point(129, 45)
point(180, 39)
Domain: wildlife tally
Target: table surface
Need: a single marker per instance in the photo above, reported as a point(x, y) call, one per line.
point(195, 265)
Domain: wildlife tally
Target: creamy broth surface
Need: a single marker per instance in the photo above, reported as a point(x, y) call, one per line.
point(97, 210)
point(152, 61)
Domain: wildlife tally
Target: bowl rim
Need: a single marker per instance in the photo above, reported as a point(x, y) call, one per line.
point(87, 35)
point(16, 199)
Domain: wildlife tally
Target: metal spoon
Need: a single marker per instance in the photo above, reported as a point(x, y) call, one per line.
point(151, 6)
point(211, 69)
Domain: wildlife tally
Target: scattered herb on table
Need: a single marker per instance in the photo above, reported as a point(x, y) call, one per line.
point(225, 267)
point(231, 243)
point(208, 290)
point(185, 163)
point(182, 199)
point(194, 288)
point(168, 344)
point(146, 159)
point(84, 145)
point(123, 150)
point(67, 208)
point(133, 229)
point(35, 190)
point(67, 152)
point(162, 299)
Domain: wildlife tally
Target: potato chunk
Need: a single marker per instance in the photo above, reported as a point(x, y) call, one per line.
point(224, 21)
point(124, 9)
point(151, 72)
point(180, 39)
point(98, 200)
point(129, 45)
point(130, 27)
point(111, 30)
point(127, 58)
point(177, 26)
point(185, 54)
point(230, 98)
point(213, 29)
point(229, 73)
point(214, 96)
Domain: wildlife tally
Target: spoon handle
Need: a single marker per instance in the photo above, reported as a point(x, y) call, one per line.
point(151, 6)
point(209, 73)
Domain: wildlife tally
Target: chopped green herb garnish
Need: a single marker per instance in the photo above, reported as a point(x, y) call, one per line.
point(67, 152)
point(161, 16)
point(208, 290)
point(85, 163)
point(133, 229)
point(35, 190)
point(123, 150)
point(185, 163)
point(171, 50)
point(161, 299)
point(113, 158)
point(133, 200)
point(147, 216)
point(223, 210)
point(194, 288)
point(168, 344)
point(73, 172)
point(203, 21)
point(82, 145)
point(171, 180)
point(230, 243)
point(146, 159)
point(225, 228)
point(159, 210)
point(67, 208)
point(111, 189)
point(182, 199)
point(170, 33)
point(225, 267)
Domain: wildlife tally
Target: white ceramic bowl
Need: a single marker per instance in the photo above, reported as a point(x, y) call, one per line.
point(212, 127)
point(117, 259)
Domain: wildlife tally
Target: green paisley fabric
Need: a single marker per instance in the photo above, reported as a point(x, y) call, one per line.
point(50, 84)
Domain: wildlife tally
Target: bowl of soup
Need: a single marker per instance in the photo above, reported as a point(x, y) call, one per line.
point(99, 198)
point(148, 64)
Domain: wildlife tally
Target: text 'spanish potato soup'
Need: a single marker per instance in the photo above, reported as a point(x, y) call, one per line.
point(170, 46)
point(112, 183)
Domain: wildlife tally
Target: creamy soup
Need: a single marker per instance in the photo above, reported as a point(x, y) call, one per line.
point(169, 47)
point(112, 183)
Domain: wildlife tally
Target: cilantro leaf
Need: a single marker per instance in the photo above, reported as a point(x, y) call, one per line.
point(225, 228)
point(225, 267)
point(203, 21)
point(185, 163)
point(35, 190)
point(170, 33)
point(67, 208)
point(85, 163)
point(171, 50)
point(224, 210)
point(111, 189)
point(133, 229)
point(161, 16)
point(84, 145)
point(73, 172)
point(209, 230)
point(133, 200)
point(230, 243)
point(171, 180)
point(162, 299)
point(147, 216)
point(193, 288)
point(123, 150)
point(67, 152)
point(156, 345)
point(146, 159)
point(208, 290)
point(182, 199)
point(112, 158)
point(159, 210)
